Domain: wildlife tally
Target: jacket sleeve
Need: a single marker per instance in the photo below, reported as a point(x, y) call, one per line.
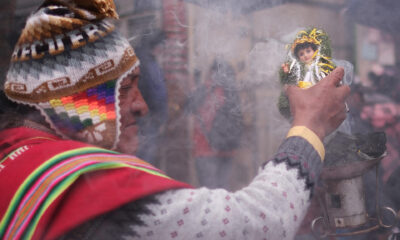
point(272, 206)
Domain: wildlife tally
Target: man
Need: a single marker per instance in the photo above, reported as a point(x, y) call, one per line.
point(82, 76)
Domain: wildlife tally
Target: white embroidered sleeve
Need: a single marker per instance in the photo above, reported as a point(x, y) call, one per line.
point(271, 207)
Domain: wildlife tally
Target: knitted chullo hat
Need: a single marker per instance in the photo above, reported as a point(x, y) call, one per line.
point(68, 63)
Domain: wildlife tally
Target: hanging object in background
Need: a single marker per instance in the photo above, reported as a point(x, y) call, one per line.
point(307, 62)
point(342, 198)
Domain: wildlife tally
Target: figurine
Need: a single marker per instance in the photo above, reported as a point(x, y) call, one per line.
point(308, 61)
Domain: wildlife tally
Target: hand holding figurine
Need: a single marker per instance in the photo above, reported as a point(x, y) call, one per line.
point(321, 108)
point(308, 61)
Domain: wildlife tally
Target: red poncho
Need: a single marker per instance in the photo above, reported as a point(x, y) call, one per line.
point(49, 186)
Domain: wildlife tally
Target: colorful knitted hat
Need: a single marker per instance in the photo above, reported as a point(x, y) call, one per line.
point(68, 63)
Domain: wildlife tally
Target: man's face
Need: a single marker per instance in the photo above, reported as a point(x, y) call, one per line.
point(132, 106)
point(306, 55)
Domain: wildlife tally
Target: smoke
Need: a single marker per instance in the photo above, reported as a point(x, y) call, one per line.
point(234, 56)
point(264, 61)
point(223, 97)
point(239, 52)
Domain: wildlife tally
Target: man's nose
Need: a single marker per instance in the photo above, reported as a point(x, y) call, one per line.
point(139, 106)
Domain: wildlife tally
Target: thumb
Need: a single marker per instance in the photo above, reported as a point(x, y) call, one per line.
point(285, 87)
point(335, 77)
point(289, 89)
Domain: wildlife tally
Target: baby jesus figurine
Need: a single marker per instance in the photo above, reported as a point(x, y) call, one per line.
point(308, 61)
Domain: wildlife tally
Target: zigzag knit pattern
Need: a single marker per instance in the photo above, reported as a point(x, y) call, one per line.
point(69, 67)
point(74, 113)
point(74, 60)
point(116, 224)
point(308, 168)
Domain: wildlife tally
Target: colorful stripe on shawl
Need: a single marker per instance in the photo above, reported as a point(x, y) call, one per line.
point(51, 179)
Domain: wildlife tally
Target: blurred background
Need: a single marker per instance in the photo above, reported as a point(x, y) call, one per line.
point(210, 77)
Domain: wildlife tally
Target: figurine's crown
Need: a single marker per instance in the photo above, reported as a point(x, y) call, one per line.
point(312, 36)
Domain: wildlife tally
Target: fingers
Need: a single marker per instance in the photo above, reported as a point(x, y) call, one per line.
point(334, 77)
point(337, 119)
point(342, 115)
point(343, 91)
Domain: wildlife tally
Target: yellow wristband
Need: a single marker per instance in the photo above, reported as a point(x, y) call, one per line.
point(310, 136)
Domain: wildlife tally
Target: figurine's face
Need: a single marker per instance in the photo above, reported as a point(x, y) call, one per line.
point(306, 55)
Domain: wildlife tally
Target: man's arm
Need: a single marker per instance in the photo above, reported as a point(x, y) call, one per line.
point(274, 203)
